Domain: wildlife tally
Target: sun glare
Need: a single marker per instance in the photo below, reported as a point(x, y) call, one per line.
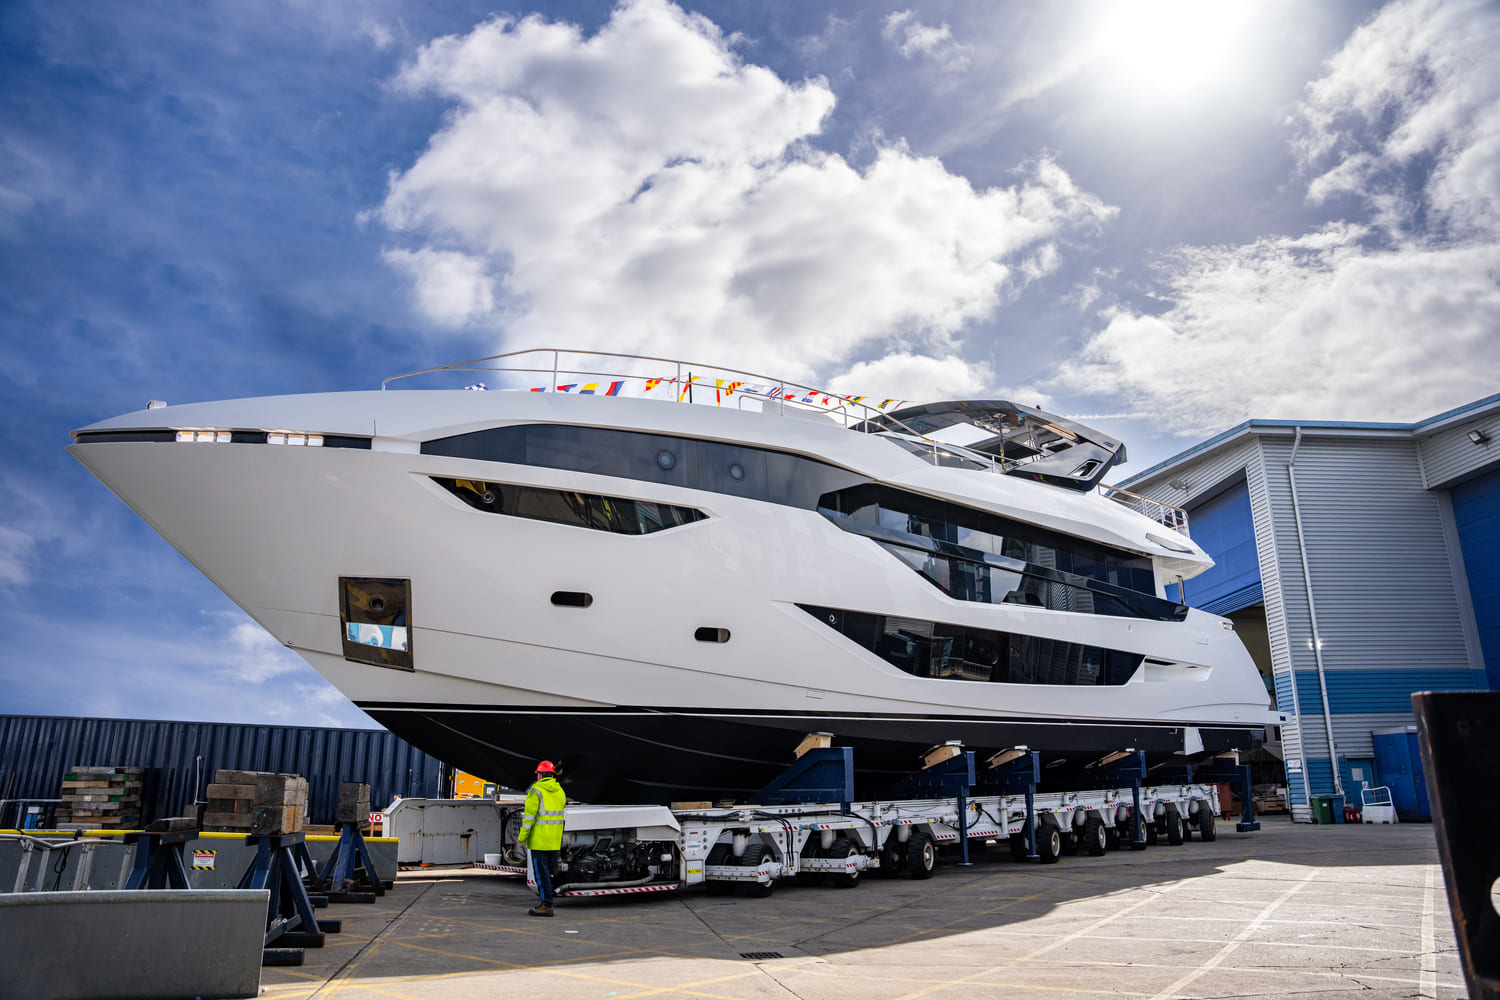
point(1172, 47)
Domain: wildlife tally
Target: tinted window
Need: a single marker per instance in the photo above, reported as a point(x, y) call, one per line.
point(583, 510)
point(975, 529)
point(736, 470)
point(958, 652)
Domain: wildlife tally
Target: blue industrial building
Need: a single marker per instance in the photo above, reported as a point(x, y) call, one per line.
point(1359, 562)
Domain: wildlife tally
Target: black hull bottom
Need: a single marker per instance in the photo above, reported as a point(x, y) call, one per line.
point(673, 755)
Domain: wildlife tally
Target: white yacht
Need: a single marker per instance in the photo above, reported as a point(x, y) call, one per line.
point(664, 596)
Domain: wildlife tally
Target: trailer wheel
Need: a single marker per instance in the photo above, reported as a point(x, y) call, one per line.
point(1049, 842)
point(921, 856)
point(1019, 849)
point(720, 855)
point(843, 848)
point(1095, 838)
point(752, 858)
point(1206, 824)
point(1152, 832)
point(1112, 837)
point(810, 878)
point(1173, 823)
point(1069, 843)
point(891, 857)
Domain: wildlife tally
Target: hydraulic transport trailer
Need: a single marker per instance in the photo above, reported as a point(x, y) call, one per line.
point(804, 824)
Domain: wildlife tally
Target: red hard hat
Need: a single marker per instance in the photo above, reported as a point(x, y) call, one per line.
point(545, 767)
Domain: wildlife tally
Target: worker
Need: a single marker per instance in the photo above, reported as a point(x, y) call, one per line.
point(542, 830)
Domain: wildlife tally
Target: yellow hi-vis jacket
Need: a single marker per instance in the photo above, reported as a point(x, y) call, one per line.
point(542, 825)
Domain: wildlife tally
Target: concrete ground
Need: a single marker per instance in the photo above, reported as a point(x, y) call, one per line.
point(1334, 910)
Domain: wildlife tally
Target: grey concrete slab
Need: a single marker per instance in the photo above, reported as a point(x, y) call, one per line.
point(1293, 909)
point(151, 944)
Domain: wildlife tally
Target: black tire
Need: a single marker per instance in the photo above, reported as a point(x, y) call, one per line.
point(720, 855)
point(1153, 833)
point(1129, 834)
point(812, 850)
point(753, 856)
point(1112, 838)
point(1069, 843)
point(921, 856)
point(1173, 824)
point(1049, 837)
point(892, 858)
point(1206, 823)
point(1095, 838)
point(843, 848)
point(1019, 849)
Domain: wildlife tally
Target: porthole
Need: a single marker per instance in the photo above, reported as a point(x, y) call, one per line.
point(572, 599)
point(666, 460)
point(712, 635)
point(737, 472)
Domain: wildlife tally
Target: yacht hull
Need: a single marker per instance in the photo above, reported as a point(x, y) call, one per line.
point(682, 663)
point(672, 754)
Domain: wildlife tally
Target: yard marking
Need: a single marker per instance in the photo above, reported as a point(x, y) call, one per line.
point(1239, 939)
point(1429, 949)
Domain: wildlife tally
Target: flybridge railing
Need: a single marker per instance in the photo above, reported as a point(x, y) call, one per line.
point(1162, 513)
point(686, 376)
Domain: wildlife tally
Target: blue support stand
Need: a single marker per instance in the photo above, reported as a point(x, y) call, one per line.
point(1129, 770)
point(823, 774)
point(948, 779)
point(1236, 774)
point(349, 876)
point(1018, 776)
point(158, 860)
point(290, 923)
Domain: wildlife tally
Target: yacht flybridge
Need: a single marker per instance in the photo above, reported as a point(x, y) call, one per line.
point(663, 575)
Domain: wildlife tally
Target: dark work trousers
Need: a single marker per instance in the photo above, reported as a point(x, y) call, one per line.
point(542, 865)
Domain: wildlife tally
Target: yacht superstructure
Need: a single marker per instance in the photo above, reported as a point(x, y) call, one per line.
point(665, 596)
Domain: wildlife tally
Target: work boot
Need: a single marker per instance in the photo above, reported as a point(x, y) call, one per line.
point(541, 910)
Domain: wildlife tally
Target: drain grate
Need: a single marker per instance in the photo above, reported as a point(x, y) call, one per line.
point(759, 955)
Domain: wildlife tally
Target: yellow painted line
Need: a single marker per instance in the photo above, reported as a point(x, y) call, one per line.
point(1429, 954)
point(1239, 939)
point(554, 971)
point(1152, 898)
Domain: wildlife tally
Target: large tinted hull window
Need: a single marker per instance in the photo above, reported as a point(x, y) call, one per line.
point(581, 510)
point(960, 652)
point(911, 514)
point(736, 470)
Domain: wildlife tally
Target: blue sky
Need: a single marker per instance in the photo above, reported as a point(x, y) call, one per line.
point(1163, 217)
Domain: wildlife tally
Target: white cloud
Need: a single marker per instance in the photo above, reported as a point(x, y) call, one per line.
point(452, 288)
point(252, 654)
point(1320, 327)
point(913, 38)
point(914, 377)
point(1415, 88)
point(645, 189)
point(15, 555)
point(379, 35)
point(1395, 320)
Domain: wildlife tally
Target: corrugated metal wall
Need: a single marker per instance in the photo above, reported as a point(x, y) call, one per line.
point(1381, 579)
point(1448, 455)
point(181, 758)
point(1389, 609)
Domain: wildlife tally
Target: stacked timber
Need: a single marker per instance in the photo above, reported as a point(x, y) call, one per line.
point(256, 803)
point(101, 797)
point(354, 804)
